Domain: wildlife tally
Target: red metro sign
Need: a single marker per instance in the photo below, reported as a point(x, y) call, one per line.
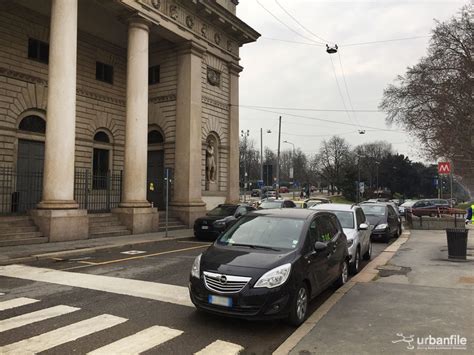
point(444, 168)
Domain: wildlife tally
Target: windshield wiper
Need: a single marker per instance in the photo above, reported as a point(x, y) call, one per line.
point(254, 246)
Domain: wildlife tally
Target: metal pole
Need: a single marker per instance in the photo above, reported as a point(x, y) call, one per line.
point(167, 186)
point(261, 154)
point(358, 179)
point(278, 161)
point(451, 187)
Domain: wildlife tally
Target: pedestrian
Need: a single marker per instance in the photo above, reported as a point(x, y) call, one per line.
point(302, 194)
point(470, 214)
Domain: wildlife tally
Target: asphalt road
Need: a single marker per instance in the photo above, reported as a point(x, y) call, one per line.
point(131, 298)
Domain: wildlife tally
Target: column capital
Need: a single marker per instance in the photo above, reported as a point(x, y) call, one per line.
point(138, 22)
point(234, 68)
point(190, 47)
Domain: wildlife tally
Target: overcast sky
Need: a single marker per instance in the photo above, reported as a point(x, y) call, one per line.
point(279, 74)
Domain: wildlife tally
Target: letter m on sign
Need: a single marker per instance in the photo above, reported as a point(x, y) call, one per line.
point(444, 168)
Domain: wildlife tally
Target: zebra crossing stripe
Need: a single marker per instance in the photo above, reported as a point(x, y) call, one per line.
point(136, 288)
point(16, 302)
point(139, 342)
point(62, 335)
point(220, 347)
point(33, 317)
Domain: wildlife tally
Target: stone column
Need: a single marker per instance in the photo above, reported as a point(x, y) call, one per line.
point(233, 169)
point(134, 210)
point(58, 216)
point(187, 203)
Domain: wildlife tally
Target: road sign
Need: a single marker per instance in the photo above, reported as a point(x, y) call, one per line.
point(444, 168)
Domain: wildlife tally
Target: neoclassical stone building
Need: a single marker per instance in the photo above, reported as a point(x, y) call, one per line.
point(98, 98)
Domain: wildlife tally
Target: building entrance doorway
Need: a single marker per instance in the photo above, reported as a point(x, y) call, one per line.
point(156, 178)
point(29, 183)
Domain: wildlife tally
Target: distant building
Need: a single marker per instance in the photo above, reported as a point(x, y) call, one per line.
point(98, 98)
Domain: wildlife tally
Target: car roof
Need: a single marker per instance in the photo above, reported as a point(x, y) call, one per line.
point(333, 207)
point(294, 213)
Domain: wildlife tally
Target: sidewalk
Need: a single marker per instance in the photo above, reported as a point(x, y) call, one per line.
point(26, 253)
point(418, 297)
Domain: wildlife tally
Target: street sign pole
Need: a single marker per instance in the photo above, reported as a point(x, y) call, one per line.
point(167, 195)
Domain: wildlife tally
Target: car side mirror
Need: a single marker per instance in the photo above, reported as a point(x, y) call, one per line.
point(238, 215)
point(320, 246)
point(363, 226)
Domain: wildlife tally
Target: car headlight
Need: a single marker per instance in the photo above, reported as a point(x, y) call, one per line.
point(274, 277)
point(196, 269)
point(350, 242)
point(381, 226)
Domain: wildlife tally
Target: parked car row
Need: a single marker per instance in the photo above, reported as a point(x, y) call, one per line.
point(425, 207)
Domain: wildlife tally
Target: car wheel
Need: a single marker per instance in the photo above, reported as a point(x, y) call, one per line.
point(354, 266)
point(368, 253)
point(387, 236)
point(299, 307)
point(343, 274)
point(400, 231)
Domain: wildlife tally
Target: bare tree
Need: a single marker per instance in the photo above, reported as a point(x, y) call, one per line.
point(434, 101)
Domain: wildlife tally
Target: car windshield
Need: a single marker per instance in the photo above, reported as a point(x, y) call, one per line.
point(373, 210)
point(264, 232)
point(266, 205)
point(222, 211)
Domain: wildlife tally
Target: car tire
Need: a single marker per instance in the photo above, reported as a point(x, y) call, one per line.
point(368, 253)
point(343, 274)
point(400, 231)
point(387, 237)
point(299, 306)
point(354, 266)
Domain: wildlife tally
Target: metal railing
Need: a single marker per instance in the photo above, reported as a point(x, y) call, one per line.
point(435, 218)
point(19, 192)
point(97, 193)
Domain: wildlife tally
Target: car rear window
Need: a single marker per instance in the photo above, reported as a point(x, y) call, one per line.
point(264, 231)
point(270, 204)
point(372, 210)
point(346, 218)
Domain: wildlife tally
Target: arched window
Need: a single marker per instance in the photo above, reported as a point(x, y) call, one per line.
point(33, 124)
point(155, 137)
point(101, 137)
point(100, 162)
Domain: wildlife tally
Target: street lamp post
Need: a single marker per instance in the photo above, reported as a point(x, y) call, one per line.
point(377, 163)
point(292, 158)
point(261, 152)
point(244, 135)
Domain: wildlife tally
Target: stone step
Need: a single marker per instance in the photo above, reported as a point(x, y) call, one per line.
point(104, 224)
point(7, 229)
point(170, 224)
point(104, 234)
point(25, 241)
point(23, 235)
point(25, 223)
point(103, 219)
point(9, 219)
point(93, 230)
point(100, 215)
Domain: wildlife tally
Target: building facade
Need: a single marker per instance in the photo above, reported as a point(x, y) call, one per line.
point(101, 99)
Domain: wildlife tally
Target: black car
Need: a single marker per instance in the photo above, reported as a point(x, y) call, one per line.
point(270, 264)
point(256, 193)
point(385, 220)
point(218, 219)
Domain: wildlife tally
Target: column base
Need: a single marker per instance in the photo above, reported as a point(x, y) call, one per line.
point(138, 220)
point(62, 225)
point(188, 212)
point(135, 204)
point(57, 205)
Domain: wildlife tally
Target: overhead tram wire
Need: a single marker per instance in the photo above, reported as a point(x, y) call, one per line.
point(324, 120)
point(307, 109)
point(340, 91)
point(347, 89)
point(284, 24)
point(349, 44)
point(300, 24)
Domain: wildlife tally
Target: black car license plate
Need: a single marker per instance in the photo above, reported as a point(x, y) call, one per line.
point(220, 301)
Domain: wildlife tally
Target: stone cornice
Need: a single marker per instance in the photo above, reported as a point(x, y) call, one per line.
point(234, 68)
point(99, 97)
point(163, 98)
point(22, 76)
point(210, 101)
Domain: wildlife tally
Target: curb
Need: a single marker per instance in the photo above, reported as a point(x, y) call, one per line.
point(366, 275)
point(79, 251)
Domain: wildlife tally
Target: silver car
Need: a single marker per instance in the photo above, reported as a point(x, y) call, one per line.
point(356, 228)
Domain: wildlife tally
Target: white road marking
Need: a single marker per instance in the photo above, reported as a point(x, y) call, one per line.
point(33, 317)
point(139, 342)
point(220, 347)
point(133, 252)
point(16, 302)
point(62, 335)
point(136, 288)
